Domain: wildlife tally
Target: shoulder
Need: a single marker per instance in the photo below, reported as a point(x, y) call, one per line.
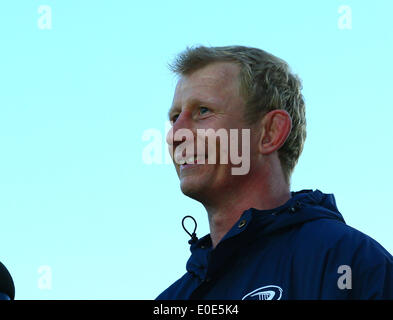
point(331, 250)
point(180, 289)
point(338, 249)
point(335, 235)
point(334, 241)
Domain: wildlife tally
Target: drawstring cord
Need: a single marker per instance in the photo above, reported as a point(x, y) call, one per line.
point(193, 236)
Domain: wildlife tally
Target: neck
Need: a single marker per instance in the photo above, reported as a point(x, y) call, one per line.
point(260, 191)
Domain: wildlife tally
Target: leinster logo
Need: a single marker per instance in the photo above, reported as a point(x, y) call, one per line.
point(264, 293)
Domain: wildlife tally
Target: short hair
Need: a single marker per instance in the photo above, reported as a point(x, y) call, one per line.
point(266, 84)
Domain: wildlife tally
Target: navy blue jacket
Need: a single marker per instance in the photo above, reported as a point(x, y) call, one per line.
point(300, 250)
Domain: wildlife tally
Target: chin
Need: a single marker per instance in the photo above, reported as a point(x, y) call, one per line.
point(195, 191)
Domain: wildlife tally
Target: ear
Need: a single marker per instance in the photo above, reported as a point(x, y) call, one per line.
point(276, 127)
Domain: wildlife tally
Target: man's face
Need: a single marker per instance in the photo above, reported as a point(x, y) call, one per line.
point(208, 98)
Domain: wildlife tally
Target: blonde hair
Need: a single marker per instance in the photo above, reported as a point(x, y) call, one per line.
point(266, 84)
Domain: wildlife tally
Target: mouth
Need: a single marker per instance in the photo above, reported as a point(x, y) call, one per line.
point(194, 159)
point(192, 162)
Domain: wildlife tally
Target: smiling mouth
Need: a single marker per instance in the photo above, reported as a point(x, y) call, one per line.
point(189, 166)
point(193, 160)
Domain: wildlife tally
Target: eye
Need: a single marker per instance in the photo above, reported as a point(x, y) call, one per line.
point(203, 110)
point(174, 118)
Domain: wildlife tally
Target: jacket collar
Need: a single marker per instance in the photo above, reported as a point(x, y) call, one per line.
point(305, 205)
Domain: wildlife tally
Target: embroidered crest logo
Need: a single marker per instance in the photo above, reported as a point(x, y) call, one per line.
point(264, 293)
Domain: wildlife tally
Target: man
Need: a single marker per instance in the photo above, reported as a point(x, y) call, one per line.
point(265, 241)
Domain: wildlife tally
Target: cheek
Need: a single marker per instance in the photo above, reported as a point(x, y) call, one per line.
point(169, 136)
point(170, 150)
point(216, 148)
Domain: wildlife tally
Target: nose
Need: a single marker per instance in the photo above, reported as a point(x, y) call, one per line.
point(183, 121)
point(181, 132)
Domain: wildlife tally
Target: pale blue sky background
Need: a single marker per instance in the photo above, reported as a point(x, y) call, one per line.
point(75, 100)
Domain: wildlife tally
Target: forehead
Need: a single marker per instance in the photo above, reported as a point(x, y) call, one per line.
point(217, 82)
